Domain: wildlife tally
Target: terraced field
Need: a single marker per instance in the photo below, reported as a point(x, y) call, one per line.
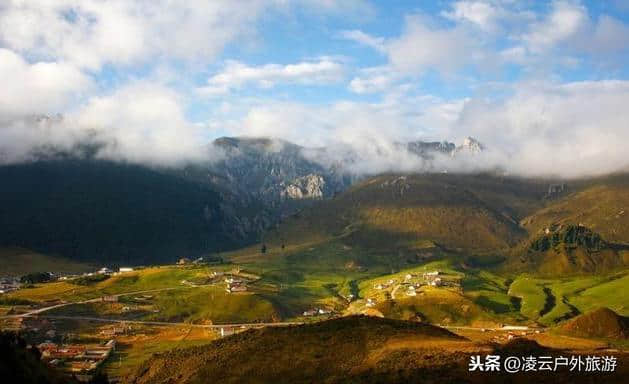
point(550, 301)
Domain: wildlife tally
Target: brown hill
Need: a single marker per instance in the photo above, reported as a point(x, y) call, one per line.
point(350, 350)
point(458, 212)
point(329, 351)
point(599, 204)
point(600, 323)
point(395, 220)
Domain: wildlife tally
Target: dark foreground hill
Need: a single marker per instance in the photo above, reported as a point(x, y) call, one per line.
point(600, 323)
point(19, 364)
point(346, 350)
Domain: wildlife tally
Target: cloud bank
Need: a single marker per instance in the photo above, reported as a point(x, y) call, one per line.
point(544, 88)
point(575, 129)
point(140, 123)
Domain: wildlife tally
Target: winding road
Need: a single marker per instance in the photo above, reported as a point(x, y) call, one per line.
point(38, 312)
point(97, 300)
point(166, 323)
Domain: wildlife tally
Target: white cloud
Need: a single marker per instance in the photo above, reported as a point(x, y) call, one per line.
point(361, 37)
point(41, 87)
point(487, 34)
point(571, 130)
point(422, 46)
point(322, 125)
point(90, 33)
point(140, 122)
point(609, 36)
point(570, 27)
point(482, 14)
point(566, 19)
point(236, 74)
point(373, 80)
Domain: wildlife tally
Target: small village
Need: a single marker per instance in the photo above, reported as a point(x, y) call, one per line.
point(83, 358)
point(410, 284)
point(64, 351)
point(9, 284)
point(78, 360)
point(86, 355)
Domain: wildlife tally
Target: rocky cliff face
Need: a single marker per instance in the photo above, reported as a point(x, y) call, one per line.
point(274, 171)
point(311, 186)
point(273, 178)
point(470, 146)
point(262, 180)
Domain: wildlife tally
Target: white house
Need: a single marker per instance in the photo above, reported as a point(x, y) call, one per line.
point(436, 282)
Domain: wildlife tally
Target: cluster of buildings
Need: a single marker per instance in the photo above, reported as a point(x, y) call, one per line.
point(381, 286)
point(317, 312)
point(103, 271)
point(185, 260)
point(115, 330)
point(76, 359)
point(13, 283)
point(413, 281)
point(432, 278)
point(108, 271)
point(235, 285)
point(9, 284)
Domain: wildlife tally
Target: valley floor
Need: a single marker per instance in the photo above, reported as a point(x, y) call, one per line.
point(156, 309)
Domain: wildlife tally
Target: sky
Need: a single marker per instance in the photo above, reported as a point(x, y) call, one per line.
point(543, 84)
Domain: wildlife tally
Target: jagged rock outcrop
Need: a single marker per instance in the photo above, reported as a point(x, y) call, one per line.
point(306, 187)
point(470, 146)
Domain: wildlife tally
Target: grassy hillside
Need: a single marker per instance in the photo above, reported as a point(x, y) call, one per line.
point(350, 350)
point(418, 214)
point(553, 300)
point(566, 249)
point(20, 261)
point(332, 351)
point(397, 220)
point(600, 204)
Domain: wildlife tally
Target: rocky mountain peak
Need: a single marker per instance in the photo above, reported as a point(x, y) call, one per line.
point(470, 146)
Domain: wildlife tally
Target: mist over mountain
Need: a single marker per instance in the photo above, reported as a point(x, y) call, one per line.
point(64, 199)
point(351, 152)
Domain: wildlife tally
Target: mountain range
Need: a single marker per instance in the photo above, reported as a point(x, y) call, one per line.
point(83, 207)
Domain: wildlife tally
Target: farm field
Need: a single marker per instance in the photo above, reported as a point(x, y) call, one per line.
point(21, 261)
point(285, 285)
